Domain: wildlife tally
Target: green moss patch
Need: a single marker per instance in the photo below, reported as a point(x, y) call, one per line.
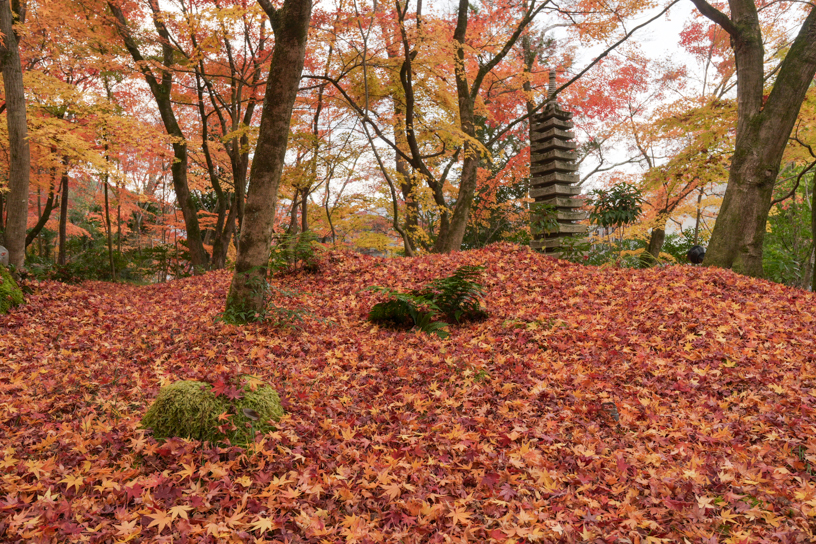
point(10, 293)
point(190, 409)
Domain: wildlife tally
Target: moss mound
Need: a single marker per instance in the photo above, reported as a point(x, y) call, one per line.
point(190, 409)
point(10, 293)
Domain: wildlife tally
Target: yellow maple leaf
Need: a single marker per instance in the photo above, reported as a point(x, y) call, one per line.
point(458, 515)
point(392, 490)
point(180, 510)
point(160, 520)
point(73, 481)
point(127, 527)
point(262, 525)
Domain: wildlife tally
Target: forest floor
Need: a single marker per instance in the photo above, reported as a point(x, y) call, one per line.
point(593, 405)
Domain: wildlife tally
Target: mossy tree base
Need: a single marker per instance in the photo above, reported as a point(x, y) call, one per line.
point(10, 293)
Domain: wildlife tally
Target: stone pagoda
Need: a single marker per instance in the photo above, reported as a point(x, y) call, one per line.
point(554, 175)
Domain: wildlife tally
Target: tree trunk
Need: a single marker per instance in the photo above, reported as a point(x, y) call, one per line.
point(221, 244)
point(451, 235)
point(304, 207)
point(118, 219)
point(699, 215)
point(248, 291)
point(108, 223)
point(161, 85)
point(658, 236)
point(44, 217)
point(656, 241)
point(405, 179)
point(19, 154)
point(407, 185)
point(813, 234)
point(63, 220)
point(763, 127)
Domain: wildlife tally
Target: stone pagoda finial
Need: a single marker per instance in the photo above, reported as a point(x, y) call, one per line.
point(551, 91)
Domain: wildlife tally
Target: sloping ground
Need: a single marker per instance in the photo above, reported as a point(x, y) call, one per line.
point(592, 406)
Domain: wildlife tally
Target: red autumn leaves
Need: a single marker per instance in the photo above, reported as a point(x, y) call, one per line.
point(504, 432)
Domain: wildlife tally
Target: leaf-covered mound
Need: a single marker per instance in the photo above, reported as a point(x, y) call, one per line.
point(591, 405)
point(10, 293)
point(190, 409)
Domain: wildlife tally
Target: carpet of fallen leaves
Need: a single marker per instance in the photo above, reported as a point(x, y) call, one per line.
point(593, 405)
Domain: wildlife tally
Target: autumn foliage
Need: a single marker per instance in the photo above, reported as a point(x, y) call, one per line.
point(591, 405)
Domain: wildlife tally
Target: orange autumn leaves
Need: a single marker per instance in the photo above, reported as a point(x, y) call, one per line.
point(504, 432)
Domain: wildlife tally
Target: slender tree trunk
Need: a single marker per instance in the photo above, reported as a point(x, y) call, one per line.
point(406, 181)
point(45, 215)
point(304, 208)
point(291, 25)
point(161, 85)
point(763, 127)
point(108, 223)
point(699, 215)
point(63, 220)
point(221, 236)
point(19, 154)
point(813, 234)
point(221, 244)
point(407, 185)
point(118, 219)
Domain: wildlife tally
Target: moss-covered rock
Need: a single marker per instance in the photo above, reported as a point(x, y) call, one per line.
point(190, 409)
point(10, 293)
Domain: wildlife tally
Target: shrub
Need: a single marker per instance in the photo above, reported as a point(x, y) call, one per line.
point(193, 409)
point(10, 293)
point(456, 298)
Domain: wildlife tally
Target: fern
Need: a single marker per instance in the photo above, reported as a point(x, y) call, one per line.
point(456, 298)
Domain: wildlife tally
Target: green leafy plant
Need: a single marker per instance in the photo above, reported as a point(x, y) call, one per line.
point(616, 207)
point(455, 298)
point(543, 218)
point(458, 296)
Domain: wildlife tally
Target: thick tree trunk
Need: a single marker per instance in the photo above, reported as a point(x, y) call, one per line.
point(63, 220)
point(19, 154)
point(248, 291)
point(656, 240)
point(763, 127)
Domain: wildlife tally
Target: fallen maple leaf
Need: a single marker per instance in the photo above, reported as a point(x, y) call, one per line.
point(179, 510)
point(160, 520)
